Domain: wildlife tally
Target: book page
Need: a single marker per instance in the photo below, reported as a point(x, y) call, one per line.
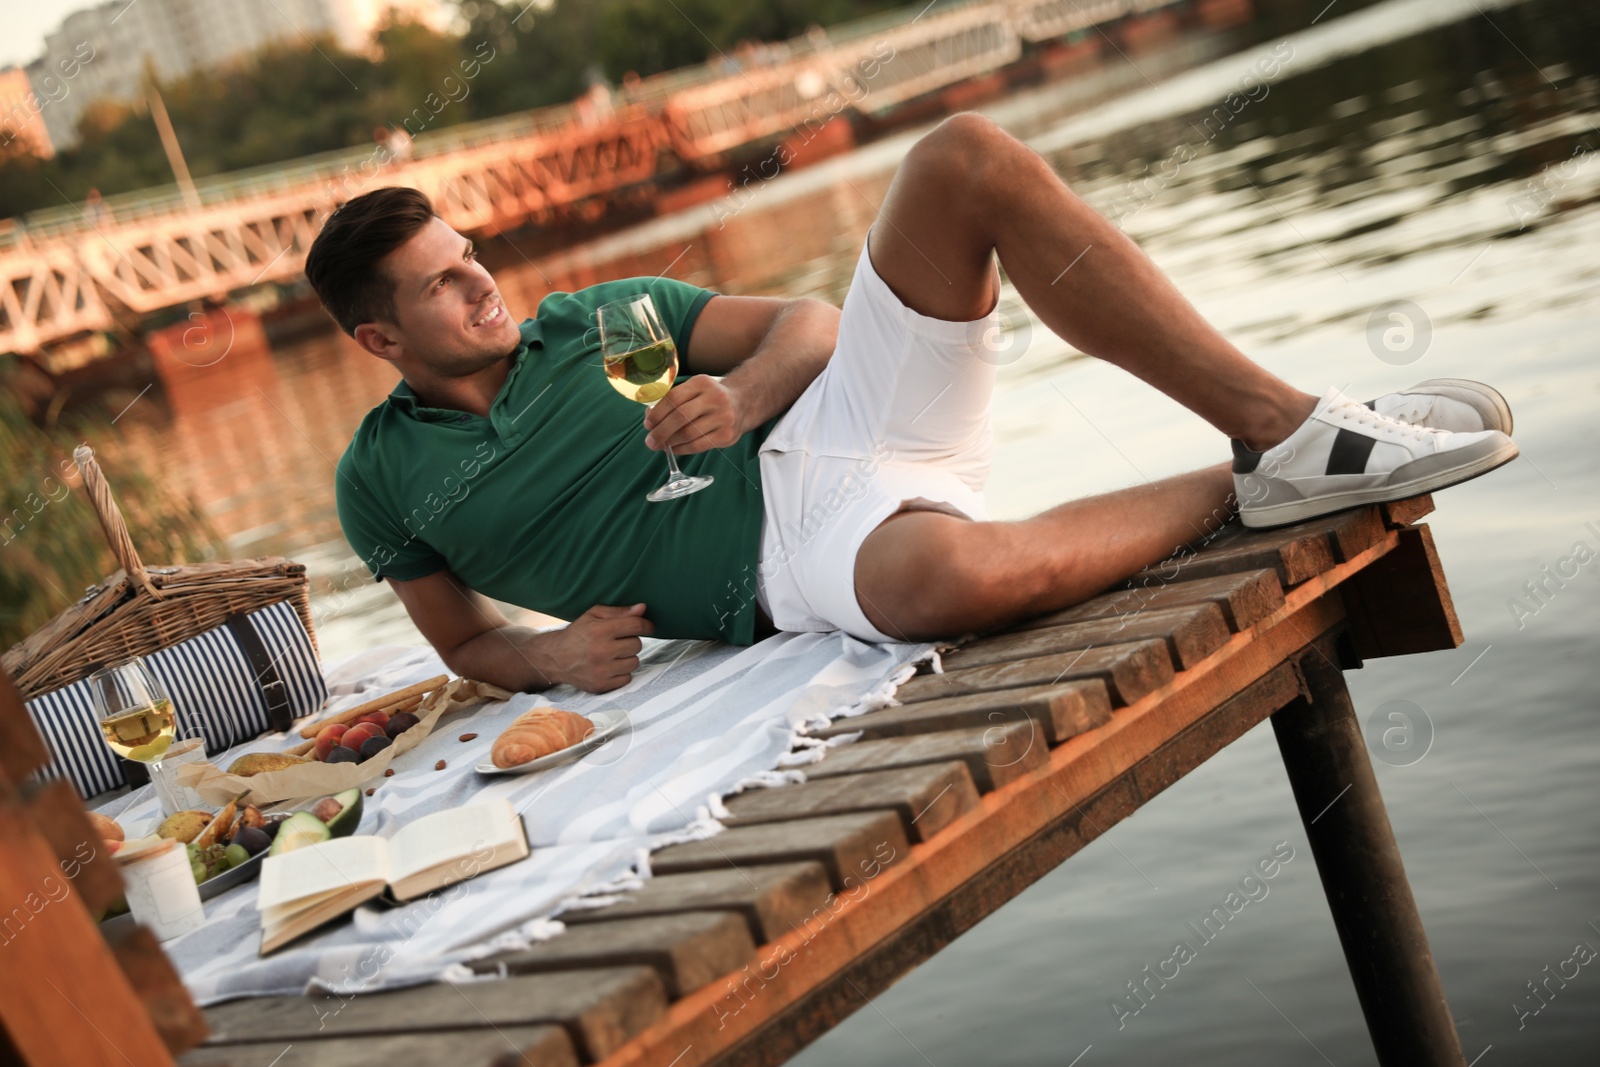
point(284, 923)
point(467, 835)
point(322, 869)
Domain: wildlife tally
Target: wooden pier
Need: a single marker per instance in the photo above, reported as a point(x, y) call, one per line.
point(748, 946)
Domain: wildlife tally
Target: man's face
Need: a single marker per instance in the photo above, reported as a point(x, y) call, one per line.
point(451, 318)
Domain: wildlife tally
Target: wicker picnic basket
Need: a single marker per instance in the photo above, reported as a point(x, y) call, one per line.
point(139, 610)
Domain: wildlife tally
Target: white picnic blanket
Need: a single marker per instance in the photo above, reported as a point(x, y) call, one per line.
point(707, 719)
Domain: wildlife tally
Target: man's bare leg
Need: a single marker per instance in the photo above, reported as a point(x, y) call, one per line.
point(967, 192)
point(926, 574)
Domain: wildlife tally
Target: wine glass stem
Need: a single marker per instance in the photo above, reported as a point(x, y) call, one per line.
point(672, 462)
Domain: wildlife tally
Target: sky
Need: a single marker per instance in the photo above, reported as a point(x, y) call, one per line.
point(23, 24)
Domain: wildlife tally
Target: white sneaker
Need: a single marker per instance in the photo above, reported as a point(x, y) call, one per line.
point(1459, 405)
point(1346, 455)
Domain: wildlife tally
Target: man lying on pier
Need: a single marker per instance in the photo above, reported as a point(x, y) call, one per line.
point(850, 449)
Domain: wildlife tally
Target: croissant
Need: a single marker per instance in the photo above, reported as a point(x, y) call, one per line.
point(538, 732)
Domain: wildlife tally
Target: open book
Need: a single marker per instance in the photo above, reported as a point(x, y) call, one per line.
point(303, 889)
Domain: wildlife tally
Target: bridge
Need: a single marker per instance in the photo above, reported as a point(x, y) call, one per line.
point(64, 273)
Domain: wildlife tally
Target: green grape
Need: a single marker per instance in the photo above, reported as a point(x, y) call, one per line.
point(234, 855)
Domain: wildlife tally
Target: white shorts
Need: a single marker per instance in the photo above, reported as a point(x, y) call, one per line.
point(899, 415)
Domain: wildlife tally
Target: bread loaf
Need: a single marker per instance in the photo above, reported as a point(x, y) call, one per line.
point(539, 732)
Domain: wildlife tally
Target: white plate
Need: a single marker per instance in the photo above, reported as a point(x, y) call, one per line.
point(607, 724)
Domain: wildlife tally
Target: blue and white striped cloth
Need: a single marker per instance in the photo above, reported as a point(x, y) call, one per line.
point(214, 692)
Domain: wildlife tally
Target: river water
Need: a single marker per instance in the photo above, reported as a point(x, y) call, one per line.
point(1431, 152)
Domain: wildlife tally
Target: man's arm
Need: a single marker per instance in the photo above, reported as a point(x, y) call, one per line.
point(597, 652)
point(769, 349)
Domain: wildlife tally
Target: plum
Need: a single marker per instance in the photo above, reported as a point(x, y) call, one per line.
point(400, 723)
point(253, 840)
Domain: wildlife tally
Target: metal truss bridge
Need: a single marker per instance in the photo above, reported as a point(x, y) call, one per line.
point(65, 273)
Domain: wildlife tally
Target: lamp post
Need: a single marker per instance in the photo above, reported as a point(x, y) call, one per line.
point(169, 140)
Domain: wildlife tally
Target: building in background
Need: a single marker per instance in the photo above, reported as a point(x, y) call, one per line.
point(182, 36)
point(20, 120)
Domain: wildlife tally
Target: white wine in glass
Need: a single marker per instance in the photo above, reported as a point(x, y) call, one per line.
point(641, 363)
point(135, 713)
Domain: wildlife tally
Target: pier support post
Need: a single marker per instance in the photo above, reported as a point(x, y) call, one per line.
point(1362, 876)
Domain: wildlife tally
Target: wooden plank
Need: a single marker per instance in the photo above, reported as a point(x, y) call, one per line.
point(772, 899)
point(1059, 711)
point(1355, 531)
point(1208, 736)
point(1245, 599)
point(155, 981)
point(56, 810)
point(1399, 513)
point(1347, 533)
point(522, 1046)
point(994, 755)
point(1296, 553)
point(599, 1009)
point(22, 750)
point(1401, 604)
point(871, 972)
point(1129, 671)
point(707, 1024)
point(686, 950)
point(1191, 633)
point(849, 847)
point(927, 799)
point(63, 998)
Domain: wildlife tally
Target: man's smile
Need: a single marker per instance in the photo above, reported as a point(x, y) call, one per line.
point(495, 313)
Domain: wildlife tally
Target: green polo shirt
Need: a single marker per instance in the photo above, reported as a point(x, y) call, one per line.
point(542, 503)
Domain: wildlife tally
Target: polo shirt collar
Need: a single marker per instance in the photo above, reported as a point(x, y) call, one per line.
point(404, 399)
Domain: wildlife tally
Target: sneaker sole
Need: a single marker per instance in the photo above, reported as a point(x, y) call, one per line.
point(1485, 399)
point(1315, 507)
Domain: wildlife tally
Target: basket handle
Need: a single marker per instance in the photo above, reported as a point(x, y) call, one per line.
point(111, 520)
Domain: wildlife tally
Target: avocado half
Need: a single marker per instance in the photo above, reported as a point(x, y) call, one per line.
point(298, 830)
point(344, 824)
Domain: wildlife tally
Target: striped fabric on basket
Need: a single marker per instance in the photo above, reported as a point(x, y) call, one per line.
point(215, 692)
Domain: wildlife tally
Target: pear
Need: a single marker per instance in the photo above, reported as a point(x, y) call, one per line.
point(262, 762)
point(184, 826)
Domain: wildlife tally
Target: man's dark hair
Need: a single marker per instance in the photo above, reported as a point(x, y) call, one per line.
point(342, 265)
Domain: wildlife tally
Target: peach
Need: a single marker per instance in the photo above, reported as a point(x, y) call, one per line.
point(329, 736)
point(356, 735)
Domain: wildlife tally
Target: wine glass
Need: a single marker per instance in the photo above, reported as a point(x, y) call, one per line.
point(640, 363)
point(135, 712)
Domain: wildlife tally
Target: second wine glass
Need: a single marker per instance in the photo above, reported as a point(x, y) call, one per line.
point(135, 713)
